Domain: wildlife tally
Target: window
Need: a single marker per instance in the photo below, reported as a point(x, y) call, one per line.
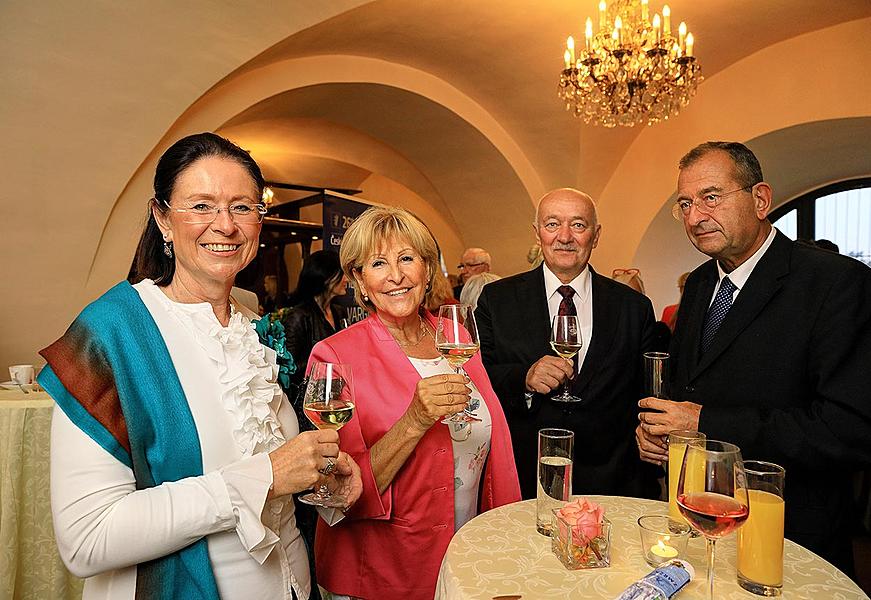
point(788, 224)
point(840, 213)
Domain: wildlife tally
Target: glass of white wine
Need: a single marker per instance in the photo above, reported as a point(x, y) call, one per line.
point(456, 339)
point(566, 341)
point(328, 404)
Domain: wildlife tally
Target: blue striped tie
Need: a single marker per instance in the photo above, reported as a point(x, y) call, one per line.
point(717, 312)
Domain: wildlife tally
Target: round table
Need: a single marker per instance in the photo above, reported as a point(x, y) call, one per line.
point(29, 563)
point(500, 553)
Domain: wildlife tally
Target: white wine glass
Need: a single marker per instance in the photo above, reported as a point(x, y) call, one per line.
point(566, 341)
point(712, 493)
point(329, 404)
point(456, 339)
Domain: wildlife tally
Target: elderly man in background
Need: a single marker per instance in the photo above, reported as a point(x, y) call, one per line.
point(772, 348)
point(473, 262)
point(514, 317)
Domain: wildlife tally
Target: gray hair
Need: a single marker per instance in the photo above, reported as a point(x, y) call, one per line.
point(748, 171)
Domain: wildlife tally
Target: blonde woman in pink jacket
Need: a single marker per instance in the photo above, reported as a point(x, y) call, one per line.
point(419, 485)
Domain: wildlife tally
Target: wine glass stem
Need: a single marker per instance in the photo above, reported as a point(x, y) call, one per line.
point(710, 546)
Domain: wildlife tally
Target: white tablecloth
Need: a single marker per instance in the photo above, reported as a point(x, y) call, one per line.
point(500, 553)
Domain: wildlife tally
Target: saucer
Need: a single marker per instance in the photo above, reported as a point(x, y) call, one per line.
point(11, 385)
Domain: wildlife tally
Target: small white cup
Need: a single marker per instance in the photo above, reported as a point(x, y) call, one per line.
point(21, 374)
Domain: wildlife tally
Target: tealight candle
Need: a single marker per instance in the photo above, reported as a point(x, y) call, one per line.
point(663, 550)
point(662, 538)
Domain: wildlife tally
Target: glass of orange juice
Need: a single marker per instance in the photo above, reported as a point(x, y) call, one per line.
point(677, 446)
point(760, 541)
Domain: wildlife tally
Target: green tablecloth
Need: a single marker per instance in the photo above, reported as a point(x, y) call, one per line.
point(30, 567)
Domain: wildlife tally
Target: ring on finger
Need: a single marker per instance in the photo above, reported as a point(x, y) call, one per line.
point(329, 467)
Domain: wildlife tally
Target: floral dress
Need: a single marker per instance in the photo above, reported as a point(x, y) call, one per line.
point(471, 444)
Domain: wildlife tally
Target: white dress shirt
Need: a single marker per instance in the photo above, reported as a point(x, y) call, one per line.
point(105, 526)
point(583, 299)
point(741, 273)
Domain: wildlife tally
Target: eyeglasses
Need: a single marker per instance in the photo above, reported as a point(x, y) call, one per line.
point(240, 213)
point(616, 272)
point(462, 266)
point(705, 205)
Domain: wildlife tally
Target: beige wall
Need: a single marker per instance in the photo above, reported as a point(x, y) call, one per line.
point(91, 99)
point(89, 89)
point(784, 85)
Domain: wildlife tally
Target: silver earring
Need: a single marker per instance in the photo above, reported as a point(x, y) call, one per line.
point(167, 247)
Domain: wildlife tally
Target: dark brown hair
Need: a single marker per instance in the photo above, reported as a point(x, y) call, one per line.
point(150, 262)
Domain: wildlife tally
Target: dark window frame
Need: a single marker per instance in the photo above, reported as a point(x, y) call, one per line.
point(805, 204)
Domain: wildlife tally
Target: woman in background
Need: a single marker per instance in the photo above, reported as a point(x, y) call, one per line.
point(314, 315)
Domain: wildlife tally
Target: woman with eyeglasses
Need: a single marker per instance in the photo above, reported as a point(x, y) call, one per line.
point(174, 449)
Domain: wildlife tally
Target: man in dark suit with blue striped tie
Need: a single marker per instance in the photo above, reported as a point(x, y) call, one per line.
point(772, 349)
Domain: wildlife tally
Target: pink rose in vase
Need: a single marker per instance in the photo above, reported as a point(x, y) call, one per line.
point(584, 518)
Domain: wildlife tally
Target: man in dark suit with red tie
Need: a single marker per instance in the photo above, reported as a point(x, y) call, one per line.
point(514, 319)
point(772, 349)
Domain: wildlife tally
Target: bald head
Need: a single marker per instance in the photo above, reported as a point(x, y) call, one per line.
point(566, 194)
point(567, 227)
point(473, 262)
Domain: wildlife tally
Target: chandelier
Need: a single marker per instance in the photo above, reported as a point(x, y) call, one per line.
point(632, 70)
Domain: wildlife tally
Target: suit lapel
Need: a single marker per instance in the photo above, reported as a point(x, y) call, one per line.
point(605, 312)
point(699, 308)
point(764, 282)
point(532, 312)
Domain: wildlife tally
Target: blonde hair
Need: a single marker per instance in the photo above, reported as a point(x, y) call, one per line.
point(372, 229)
point(440, 292)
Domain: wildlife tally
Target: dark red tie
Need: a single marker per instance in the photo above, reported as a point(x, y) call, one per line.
point(567, 305)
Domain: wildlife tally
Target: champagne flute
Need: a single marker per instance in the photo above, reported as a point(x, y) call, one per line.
point(329, 404)
point(566, 341)
point(712, 493)
point(456, 339)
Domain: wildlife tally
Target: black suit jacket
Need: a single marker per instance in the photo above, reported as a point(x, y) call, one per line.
point(788, 379)
point(514, 327)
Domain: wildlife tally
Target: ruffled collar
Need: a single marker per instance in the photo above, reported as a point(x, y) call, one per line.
point(247, 372)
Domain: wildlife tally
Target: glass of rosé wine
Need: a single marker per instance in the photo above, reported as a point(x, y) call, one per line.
point(712, 493)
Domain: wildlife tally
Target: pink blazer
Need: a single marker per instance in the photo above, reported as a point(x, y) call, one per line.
point(391, 545)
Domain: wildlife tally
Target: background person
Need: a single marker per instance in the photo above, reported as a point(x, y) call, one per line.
point(669, 313)
point(474, 261)
point(174, 450)
point(420, 486)
point(630, 277)
point(314, 315)
point(474, 286)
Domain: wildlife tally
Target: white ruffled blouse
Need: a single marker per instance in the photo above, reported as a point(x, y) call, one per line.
point(105, 526)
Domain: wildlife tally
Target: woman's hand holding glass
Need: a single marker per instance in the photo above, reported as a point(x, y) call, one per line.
point(296, 465)
point(438, 396)
point(329, 405)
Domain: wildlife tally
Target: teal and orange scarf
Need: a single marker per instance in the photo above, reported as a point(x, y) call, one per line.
point(112, 375)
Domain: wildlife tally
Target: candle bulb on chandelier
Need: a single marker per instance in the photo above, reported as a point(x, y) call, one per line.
point(618, 30)
point(644, 10)
point(603, 15)
point(689, 51)
point(588, 35)
point(570, 44)
point(682, 34)
point(666, 21)
point(568, 59)
point(657, 32)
